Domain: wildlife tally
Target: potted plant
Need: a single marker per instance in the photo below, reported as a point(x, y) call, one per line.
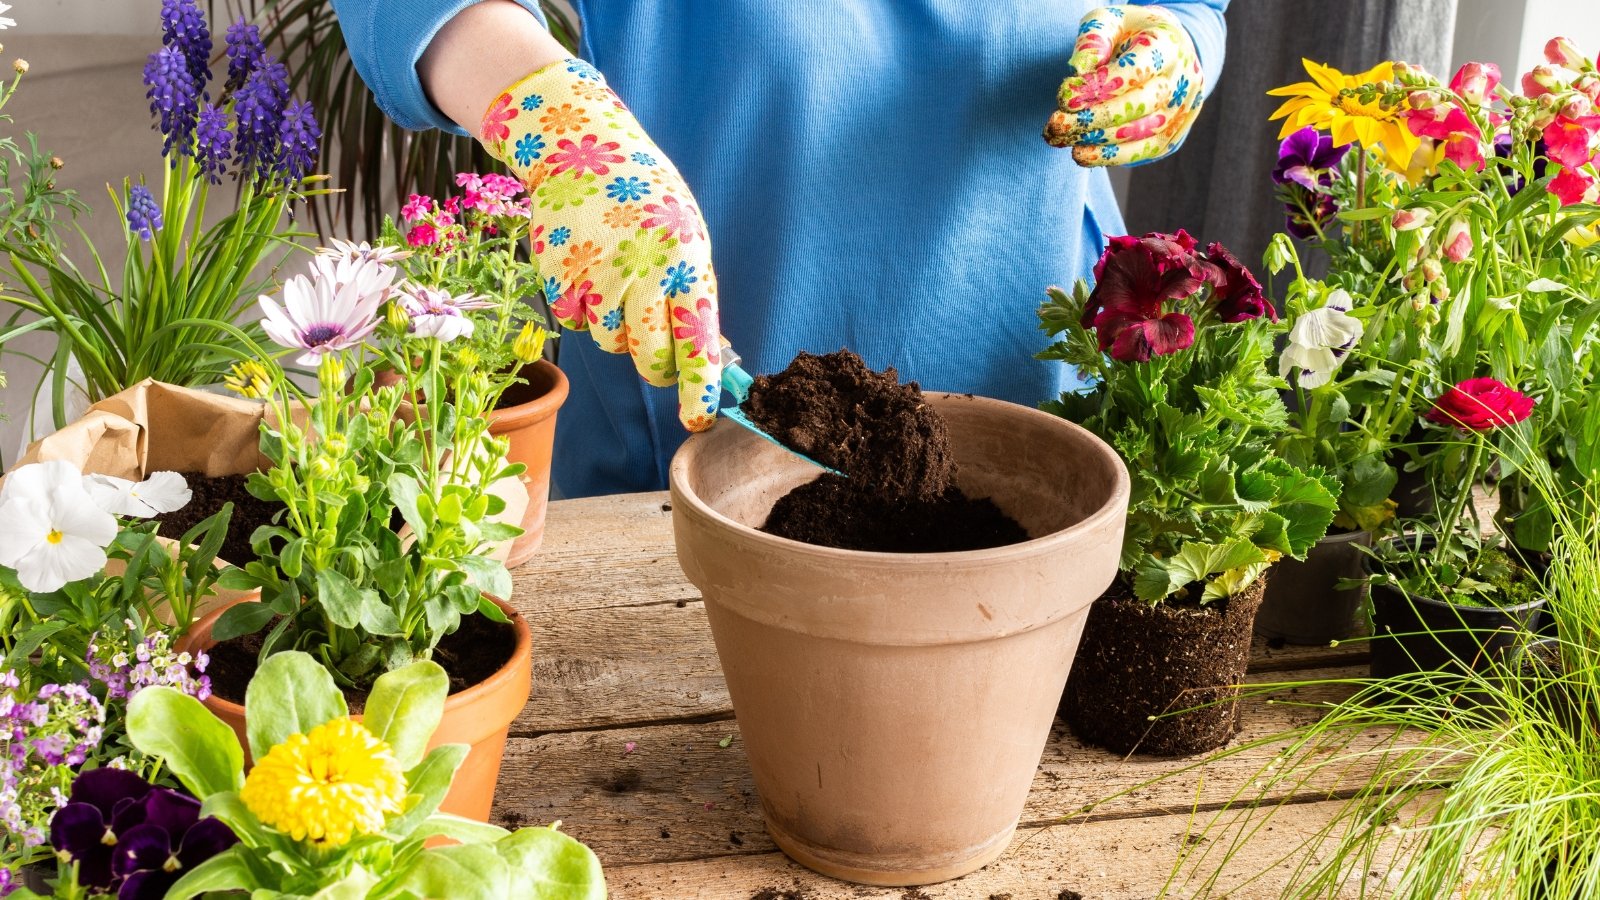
point(333, 806)
point(176, 310)
point(841, 662)
point(90, 602)
point(1445, 595)
point(1175, 344)
point(468, 244)
point(337, 578)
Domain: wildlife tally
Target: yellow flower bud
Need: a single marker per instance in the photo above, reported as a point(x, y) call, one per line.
point(249, 379)
point(21, 66)
point(397, 317)
point(330, 371)
point(529, 345)
point(57, 162)
point(469, 358)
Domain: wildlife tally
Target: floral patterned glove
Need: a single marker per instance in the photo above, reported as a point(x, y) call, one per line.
point(617, 235)
point(1133, 89)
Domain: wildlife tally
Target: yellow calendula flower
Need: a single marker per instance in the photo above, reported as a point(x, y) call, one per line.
point(249, 379)
point(1321, 104)
point(529, 344)
point(329, 785)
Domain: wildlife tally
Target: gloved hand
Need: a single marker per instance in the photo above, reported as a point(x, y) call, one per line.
point(1132, 90)
point(617, 235)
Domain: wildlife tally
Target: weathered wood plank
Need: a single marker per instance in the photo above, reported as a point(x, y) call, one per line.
point(1104, 860)
point(599, 668)
point(603, 552)
point(671, 792)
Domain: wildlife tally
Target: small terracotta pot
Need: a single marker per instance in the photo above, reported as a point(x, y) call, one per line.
point(530, 426)
point(894, 706)
point(479, 716)
point(1302, 604)
point(1142, 659)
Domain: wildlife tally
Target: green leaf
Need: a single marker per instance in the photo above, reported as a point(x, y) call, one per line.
point(428, 781)
point(1198, 562)
point(1152, 581)
point(248, 617)
point(196, 746)
point(357, 885)
point(404, 492)
point(550, 865)
point(488, 575)
point(461, 872)
point(291, 693)
point(377, 617)
point(227, 871)
point(466, 831)
point(340, 598)
point(405, 706)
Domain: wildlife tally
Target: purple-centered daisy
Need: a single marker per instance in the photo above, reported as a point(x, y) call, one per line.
point(334, 309)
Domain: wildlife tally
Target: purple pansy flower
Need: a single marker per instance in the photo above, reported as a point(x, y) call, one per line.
point(1308, 158)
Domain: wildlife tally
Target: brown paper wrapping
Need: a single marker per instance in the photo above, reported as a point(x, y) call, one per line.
point(156, 427)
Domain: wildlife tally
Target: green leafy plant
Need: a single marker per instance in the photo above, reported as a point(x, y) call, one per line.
point(377, 789)
point(1175, 345)
point(398, 433)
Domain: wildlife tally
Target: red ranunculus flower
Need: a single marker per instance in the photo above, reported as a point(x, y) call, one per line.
point(1480, 404)
point(1237, 293)
point(1134, 278)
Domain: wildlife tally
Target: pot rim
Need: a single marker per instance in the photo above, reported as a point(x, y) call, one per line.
point(541, 407)
point(1369, 562)
point(1108, 513)
point(524, 648)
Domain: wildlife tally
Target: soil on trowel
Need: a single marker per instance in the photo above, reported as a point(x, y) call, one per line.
point(898, 491)
point(209, 495)
point(469, 655)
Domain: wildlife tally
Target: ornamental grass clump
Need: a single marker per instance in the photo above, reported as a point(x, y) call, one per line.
point(397, 433)
point(176, 308)
point(1174, 342)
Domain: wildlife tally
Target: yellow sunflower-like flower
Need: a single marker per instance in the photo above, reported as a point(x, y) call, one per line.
point(1319, 103)
point(329, 785)
point(249, 379)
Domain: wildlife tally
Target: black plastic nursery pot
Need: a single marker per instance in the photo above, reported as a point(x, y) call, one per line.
point(1303, 604)
point(1413, 633)
point(1139, 660)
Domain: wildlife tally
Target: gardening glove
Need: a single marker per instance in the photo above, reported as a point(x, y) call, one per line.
point(1132, 90)
point(616, 233)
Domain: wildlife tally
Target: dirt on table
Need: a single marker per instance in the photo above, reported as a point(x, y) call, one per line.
point(209, 496)
point(469, 655)
point(898, 492)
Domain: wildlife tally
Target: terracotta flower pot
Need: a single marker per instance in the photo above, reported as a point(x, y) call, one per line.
point(1142, 659)
point(479, 716)
point(894, 706)
point(530, 425)
point(1302, 604)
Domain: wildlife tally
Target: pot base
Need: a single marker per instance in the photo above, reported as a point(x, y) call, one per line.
point(883, 871)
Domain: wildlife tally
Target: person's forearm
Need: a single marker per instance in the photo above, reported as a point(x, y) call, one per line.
point(477, 54)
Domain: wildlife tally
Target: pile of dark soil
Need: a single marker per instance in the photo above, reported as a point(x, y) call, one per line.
point(469, 655)
point(209, 495)
point(898, 494)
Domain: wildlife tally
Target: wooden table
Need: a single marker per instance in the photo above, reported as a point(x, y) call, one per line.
point(631, 742)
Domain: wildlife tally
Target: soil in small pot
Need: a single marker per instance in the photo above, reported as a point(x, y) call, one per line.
point(1138, 660)
point(898, 494)
point(209, 495)
point(469, 655)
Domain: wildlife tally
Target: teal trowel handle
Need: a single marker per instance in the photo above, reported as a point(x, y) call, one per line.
point(735, 380)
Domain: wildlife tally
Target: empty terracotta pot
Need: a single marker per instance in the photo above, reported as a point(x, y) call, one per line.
point(894, 706)
point(479, 716)
point(529, 423)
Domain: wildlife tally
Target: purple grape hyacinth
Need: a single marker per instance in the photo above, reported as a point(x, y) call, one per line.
point(133, 838)
point(298, 139)
point(245, 52)
point(144, 216)
point(174, 98)
point(258, 114)
point(213, 143)
point(184, 29)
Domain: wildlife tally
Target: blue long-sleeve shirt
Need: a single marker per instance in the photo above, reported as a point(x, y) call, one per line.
point(871, 172)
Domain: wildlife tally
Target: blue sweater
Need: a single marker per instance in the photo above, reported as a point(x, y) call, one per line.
point(871, 171)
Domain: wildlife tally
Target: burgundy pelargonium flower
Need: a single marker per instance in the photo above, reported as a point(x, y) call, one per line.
point(1134, 279)
point(1480, 404)
point(132, 838)
point(1236, 293)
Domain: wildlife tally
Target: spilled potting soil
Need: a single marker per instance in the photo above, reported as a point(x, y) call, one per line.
point(899, 493)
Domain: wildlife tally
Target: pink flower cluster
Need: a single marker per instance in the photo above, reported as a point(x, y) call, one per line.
point(484, 201)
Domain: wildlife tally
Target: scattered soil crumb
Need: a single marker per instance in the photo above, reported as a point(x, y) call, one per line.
point(999, 897)
point(665, 833)
point(915, 894)
point(1069, 894)
point(780, 894)
point(734, 839)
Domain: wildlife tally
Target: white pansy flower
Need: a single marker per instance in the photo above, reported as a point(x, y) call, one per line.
point(1319, 340)
point(162, 492)
point(5, 22)
point(51, 530)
